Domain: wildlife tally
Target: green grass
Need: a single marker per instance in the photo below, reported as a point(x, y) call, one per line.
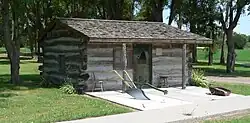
point(220, 70)
point(243, 89)
point(242, 67)
point(29, 102)
point(23, 50)
point(241, 119)
point(242, 55)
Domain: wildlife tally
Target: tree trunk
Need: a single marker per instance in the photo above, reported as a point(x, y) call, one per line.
point(194, 53)
point(231, 52)
point(180, 22)
point(157, 10)
point(210, 55)
point(13, 48)
point(172, 14)
point(222, 56)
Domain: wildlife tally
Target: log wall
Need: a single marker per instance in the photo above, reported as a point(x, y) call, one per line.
point(101, 63)
point(64, 58)
point(167, 60)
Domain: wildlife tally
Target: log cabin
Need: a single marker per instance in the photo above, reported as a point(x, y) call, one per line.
point(87, 50)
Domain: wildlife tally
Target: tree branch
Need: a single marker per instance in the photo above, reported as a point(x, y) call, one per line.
point(231, 14)
point(240, 7)
point(222, 21)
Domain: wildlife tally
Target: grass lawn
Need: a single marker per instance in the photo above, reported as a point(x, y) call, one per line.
point(242, 55)
point(31, 103)
point(242, 67)
point(220, 70)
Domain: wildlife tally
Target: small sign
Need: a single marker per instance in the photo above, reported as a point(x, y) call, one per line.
point(158, 51)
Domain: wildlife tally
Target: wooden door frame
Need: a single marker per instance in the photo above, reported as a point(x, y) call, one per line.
point(149, 46)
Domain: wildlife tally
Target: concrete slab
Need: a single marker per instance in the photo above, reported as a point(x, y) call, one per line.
point(156, 101)
point(175, 97)
point(176, 113)
point(178, 106)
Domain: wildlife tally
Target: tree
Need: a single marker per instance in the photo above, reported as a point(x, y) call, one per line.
point(176, 9)
point(12, 45)
point(239, 40)
point(233, 18)
point(151, 10)
point(200, 16)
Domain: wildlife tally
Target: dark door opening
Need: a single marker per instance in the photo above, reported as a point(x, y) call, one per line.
point(142, 63)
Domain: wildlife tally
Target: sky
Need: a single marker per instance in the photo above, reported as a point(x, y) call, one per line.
point(243, 26)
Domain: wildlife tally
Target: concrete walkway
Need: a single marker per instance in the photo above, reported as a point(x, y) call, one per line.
point(181, 114)
point(243, 80)
point(201, 106)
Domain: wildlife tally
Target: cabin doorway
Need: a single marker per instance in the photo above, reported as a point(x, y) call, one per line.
point(142, 63)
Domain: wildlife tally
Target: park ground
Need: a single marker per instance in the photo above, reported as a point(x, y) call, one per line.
point(30, 102)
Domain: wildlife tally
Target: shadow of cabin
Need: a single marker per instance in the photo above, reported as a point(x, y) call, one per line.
point(75, 48)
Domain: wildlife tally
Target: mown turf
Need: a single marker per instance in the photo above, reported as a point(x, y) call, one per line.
point(30, 102)
point(242, 55)
point(220, 70)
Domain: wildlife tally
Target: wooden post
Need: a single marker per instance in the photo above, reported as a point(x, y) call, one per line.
point(184, 51)
point(124, 61)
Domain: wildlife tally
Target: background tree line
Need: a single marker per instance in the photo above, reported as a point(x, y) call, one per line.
point(23, 21)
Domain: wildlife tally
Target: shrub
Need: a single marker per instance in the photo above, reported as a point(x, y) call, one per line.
point(198, 79)
point(240, 40)
point(67, 87)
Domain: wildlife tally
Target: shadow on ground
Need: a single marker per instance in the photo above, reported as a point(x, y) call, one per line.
point(6, 62)
point(214, 71)
point(30, 81)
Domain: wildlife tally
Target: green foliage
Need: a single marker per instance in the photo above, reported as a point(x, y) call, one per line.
point(198, 78)
point(240, 40)
point(67, 87)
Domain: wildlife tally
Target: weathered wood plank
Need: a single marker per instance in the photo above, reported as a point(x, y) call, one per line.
point(54, 35)
point(75, 57)
point(62, 48)
point(143, 40)
point(70, 75)
point(124, 64)
point(184, 60)
point(68, 60)
point(64, 42)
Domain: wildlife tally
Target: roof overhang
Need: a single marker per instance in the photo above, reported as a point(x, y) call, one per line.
point(148, 40)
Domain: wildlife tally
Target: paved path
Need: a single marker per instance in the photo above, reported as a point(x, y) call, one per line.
point(176, 114)
point(244, 80)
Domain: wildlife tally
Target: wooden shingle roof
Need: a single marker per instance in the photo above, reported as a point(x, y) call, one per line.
point(131, 31)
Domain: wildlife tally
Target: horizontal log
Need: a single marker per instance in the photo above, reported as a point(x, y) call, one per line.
point(68, 59)
point(78, 66)
point(62, 47)
point(52, 61)
point(69, 43)
point(76, 57)
point(66, 54)
point(84, 76)
point(58, 34)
